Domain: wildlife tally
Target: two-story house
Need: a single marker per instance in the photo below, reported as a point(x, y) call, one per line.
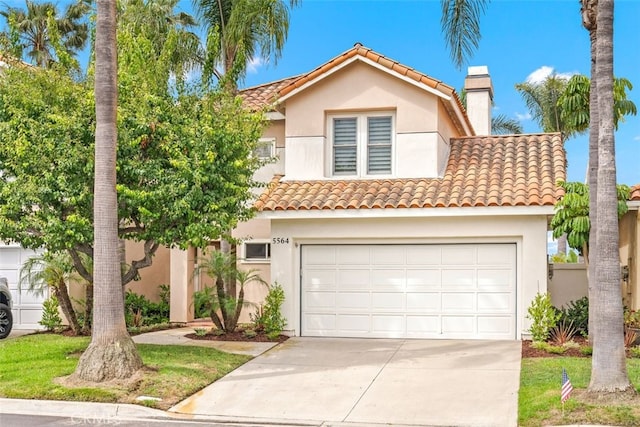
point(392, 211)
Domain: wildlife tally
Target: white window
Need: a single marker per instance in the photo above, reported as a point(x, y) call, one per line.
point(361, 144)
point(257, 251)
point(265, 149)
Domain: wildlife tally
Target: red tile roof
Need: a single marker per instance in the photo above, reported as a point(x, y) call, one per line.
point(635, 193)
point(264, 95)
point(511, 170)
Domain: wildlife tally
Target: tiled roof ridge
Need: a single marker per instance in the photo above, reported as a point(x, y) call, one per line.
point(273, 82)
point(634, 195)
point(366, 52)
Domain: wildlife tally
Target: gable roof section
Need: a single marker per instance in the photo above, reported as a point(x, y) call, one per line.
point(512, 170)
point(270, 93)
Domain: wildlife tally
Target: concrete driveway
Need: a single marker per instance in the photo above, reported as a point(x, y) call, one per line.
point(332, 381)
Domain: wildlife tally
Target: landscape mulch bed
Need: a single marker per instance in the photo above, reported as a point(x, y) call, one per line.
point(236, 336)
point(529, 351)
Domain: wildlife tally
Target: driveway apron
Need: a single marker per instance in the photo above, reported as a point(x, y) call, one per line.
point(370, 381)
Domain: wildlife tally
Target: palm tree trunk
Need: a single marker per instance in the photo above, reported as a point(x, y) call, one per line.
point(62, 293)
point(111, 353)
point(608, 365)
point(589, 9)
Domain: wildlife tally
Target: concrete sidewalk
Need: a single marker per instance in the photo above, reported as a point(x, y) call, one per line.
point(365, 382)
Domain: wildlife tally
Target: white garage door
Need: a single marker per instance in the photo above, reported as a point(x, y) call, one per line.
point(27, 305)
point(409, 291)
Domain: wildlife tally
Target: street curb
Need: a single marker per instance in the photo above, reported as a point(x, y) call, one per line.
point(61, 408)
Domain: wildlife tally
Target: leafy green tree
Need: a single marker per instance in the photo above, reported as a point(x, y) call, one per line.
point(30, 29)
point(572, 214)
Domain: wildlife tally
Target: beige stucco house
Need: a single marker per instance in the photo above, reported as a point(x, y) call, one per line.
point(391, 211)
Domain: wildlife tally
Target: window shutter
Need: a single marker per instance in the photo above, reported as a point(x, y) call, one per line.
point(345, 146)
point(379, 145)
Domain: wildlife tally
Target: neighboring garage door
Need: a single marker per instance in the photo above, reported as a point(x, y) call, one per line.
point(409, 291)
point(27, 305)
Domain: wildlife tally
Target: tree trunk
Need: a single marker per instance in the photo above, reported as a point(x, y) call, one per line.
point(88, 309)
point(589, 12)
point(111, 353)
point(608, 365)
point(62, 293)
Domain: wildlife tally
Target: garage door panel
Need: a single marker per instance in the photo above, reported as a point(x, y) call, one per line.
point(420, 326)
point(458, 254)
point(388, 279)
point(27, 305)
point(354, 279)
point(458, 325)
point(495, 255)
point(320, 300)
point(320, 279)
point(320, 255)
point(410, 291)
point(424, 255)
point(387, 255)
point(458, 301)
point(388, 301)
point(494, 278)
point(320, 322)
point(11, 275)
point(495, 325)
point(353, 300)
point(494, 302)
point(424, 301)
point(417, 279)
point(358, 323)
point(351, 255)
point(459, 278)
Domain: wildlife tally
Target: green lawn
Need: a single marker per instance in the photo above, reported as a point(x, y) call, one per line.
point(30, 364)
point(539, 397)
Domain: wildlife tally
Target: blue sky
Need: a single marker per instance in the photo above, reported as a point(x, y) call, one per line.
point(519, 39)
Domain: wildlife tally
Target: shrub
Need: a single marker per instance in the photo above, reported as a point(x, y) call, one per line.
point(250, 333)
point(51, 319)
point(577, 312)
point(587, 351)
point(543, 315)
point(200, 332)
point(635, 351)
point(274, 321)
point(140, 311)
point(562, 333)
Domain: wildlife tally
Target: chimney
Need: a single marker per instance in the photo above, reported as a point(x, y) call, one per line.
point(479, 91)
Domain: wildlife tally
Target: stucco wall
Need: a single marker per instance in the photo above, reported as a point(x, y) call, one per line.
point(528, 232)
point(629, 241)
point(569, 283)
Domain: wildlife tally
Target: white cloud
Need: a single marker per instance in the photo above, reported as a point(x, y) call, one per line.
point(254, 64)
point(637, 138)
point(539, 75)
point(522, 117)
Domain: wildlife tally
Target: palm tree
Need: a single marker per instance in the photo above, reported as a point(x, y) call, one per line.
point(54, 272)
point(239, 30)
point(111, 352)
point(460, 23)
point(608, 365)
point(461, 27)
point(503, 125)
point(32, 26)
point(541, 100)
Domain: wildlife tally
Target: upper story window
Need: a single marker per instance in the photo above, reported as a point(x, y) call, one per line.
point(362, 144)
point(265, 149)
